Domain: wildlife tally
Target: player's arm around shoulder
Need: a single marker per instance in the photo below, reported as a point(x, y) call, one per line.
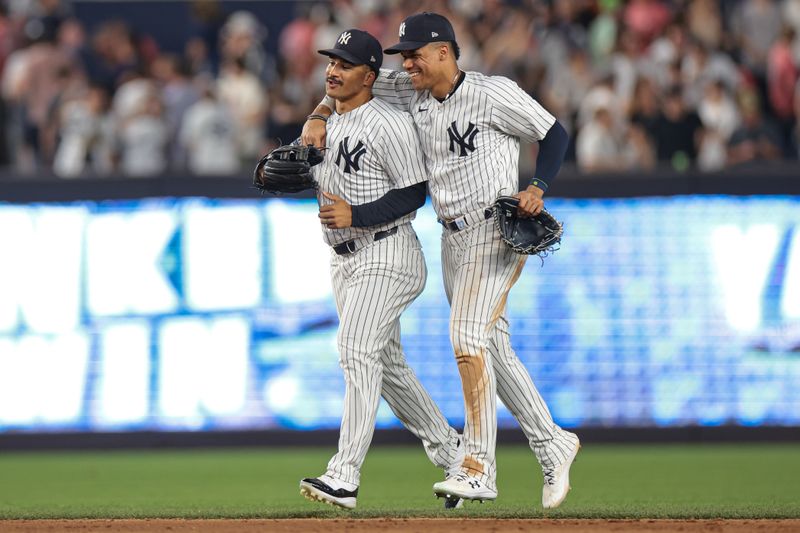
point(394, 88)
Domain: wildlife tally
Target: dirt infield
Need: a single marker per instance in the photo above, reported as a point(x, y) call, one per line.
point(426, 525)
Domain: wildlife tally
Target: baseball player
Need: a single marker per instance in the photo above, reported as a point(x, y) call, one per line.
point(470, 126)
point(377, 269)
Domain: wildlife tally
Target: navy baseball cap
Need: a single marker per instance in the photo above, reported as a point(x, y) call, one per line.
point(357, 47)
point(422, 28)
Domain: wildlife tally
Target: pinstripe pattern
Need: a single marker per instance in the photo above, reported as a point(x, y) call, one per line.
point(392, 160)
point(373, 286)
point(468, 171)
point(503, 114)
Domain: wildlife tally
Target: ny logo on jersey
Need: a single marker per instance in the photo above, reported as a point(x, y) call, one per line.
point(402, 29)
point(474, 484)
point(465, 141)
point(351, 157)
point(345, 37)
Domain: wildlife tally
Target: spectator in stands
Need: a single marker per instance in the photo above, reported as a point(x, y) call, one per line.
point(625, 66)
point(638, 152)
point(645, 109)
point(756, 25)
point(562, 34)
point(782, 76)
point(646, 18)
point(206, 18)
point(704, 23)
point(208, 137)
point(717, 110)
point(718, 113)
point(678, 132)
point(603, 30)
point(292, 94)
point(701, 66)
point(566, 88)
point(756, 139)
point(601, 95)
point(598, 147)
point(178, 93)
point(241, 39)
point(791, 18)
point(242, 93)
point(667, 49)
point(86, 132)
point(795, 138)
point(144, 140)
point(113, 56)
point(559, 50)
point(511, 46)
point(31, 82)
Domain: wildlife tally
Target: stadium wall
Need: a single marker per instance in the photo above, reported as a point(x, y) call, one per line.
point(672, 308)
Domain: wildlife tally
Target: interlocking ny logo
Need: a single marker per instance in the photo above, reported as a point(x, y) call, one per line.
point(465, 141)
point(345, 37)
point(474, 484)
point(351, 157)
point(402, 29)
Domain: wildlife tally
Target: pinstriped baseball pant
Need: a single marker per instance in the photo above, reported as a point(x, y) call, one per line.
point(479, 271)
point(372, 287)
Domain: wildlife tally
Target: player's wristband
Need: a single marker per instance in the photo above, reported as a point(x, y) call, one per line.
point(315, 116)
point(536, 182)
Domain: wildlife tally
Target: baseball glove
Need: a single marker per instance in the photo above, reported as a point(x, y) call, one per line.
point(537, 235)
point(287, 169)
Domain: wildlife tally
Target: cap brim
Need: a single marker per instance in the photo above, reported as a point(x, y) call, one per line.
point(341, 54)
point(405, 45)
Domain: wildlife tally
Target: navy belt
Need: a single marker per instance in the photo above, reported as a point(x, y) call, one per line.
point(349, 247)
point(457, 224)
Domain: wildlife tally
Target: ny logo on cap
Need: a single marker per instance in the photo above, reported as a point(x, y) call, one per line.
point(402, 29)
point(434, 34)
point(343, 38)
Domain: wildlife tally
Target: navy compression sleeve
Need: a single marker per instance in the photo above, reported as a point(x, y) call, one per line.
point(391, 206)
point(551, 154)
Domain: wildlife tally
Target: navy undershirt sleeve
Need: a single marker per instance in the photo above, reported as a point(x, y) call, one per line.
point(551, 154)
point(391, 206)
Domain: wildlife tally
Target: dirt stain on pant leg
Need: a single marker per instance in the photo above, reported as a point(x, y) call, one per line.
point(474, 380)
point(471, 466)
point(501, 306)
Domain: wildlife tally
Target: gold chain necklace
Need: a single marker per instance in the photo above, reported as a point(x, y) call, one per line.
point(453, 84)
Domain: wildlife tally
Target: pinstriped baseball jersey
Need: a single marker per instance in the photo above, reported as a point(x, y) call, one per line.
point(471, 144)
point(471, 139)
point(371, 150)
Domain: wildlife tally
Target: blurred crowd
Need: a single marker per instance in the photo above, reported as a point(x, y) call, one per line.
point(639, 84)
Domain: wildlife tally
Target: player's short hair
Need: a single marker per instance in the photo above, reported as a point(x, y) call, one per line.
point(453, 47)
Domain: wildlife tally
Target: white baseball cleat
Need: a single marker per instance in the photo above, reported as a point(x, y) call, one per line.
point(465, 487)
point(316, 490)
point(556, 481)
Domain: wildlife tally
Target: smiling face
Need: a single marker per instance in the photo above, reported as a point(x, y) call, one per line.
point(426, 65)
point(344, 81)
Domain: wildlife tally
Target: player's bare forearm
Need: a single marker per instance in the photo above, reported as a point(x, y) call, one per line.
point(314, 127)
point(531, 201)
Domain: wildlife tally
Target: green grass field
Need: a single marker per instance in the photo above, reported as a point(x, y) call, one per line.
point(643, 481)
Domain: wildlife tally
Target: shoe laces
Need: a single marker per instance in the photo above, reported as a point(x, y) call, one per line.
point(549, 476)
